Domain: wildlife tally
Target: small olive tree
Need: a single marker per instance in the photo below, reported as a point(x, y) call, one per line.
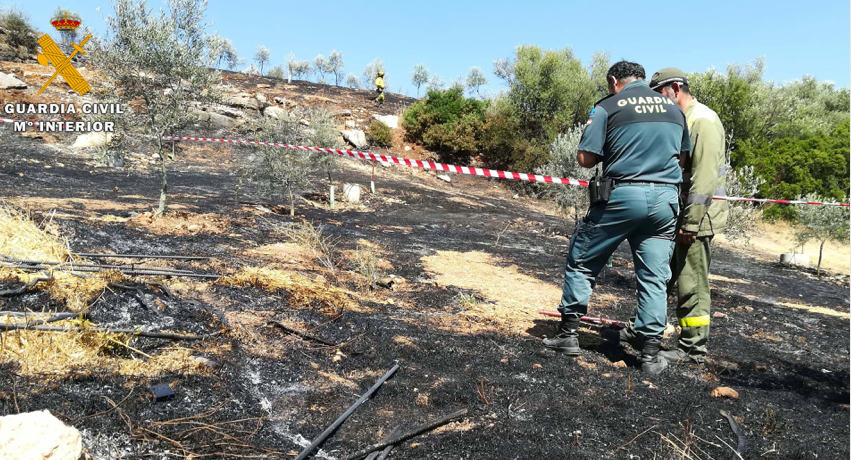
point(160, 63)
point(221, 50)
point(435, 83)
point(276, 72)
point(279, 171)
point(419, 76)
point(352, 81)
point(821, 223)
point(261, 56)
point(744, 216)
point(475, 79)
point(336, 65)
point(563, 164)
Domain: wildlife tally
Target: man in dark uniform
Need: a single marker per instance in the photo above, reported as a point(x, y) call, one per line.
point(638, 135)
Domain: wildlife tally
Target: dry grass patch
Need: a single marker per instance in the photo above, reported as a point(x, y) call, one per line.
point(514, 297)
point(303, 292)
point(60, 354)
point(22, 238)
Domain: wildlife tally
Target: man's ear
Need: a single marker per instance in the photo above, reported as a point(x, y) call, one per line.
point(676, 87)
point(613, 83)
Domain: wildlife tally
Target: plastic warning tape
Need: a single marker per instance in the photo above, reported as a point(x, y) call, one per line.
point(404, 161)
point(453, 168)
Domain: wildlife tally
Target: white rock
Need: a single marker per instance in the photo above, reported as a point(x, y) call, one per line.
point(92, 140)
point(304, 122)
point(246, 101)
point(350, 124)
point(795, 259)
point(352, 192)
point(7, 81)
point(214, 120)
point(407, 148)
point(274, 112)
point(386, 164)
point(355, 137)
point(444, 177)
point(33, 435)
point(260, 97)
point(392, 121)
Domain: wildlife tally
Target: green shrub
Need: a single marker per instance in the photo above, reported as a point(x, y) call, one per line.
point(379, 134)
point(19, 32)
point(448, 123)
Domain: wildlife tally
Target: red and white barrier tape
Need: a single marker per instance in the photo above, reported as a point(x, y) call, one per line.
point(405, 161)
point(453, 168)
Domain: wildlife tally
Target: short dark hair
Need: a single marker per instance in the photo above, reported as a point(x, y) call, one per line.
point(625, 69)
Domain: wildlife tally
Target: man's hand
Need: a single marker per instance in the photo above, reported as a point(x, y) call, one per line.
point(686, 237)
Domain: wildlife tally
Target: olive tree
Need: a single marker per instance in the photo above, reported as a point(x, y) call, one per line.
point(435, 83)
point(261, 56)
point(221, 49)
point(563, 164)
point(320, 66)
point(278, 171)
point(160, 63)
point(821, 223)
point(475, 79)
point(276, 72)
point(352, 81)
point(419, 76)
point(335, 66)
point(743, 216)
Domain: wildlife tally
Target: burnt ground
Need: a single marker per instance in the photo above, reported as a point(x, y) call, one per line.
point(789, 364)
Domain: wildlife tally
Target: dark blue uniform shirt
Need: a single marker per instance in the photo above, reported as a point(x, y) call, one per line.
point(639, 133)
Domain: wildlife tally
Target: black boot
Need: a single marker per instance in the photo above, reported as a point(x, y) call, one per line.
point(567, 338)
point(651, 362)
point(625, 336)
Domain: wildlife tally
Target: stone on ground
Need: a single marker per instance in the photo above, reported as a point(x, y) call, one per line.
point(7, 81)
point(352, 192)
point(34, 435)
point(392, 121)
point(355, 137)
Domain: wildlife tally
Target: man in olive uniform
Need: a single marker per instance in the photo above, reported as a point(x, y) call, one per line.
point(379, 87)
point(702, 218)
point(638, 136)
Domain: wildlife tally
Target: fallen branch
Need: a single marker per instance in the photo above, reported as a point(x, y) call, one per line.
point(333, 427)
point(301, 334)
point(416, 432)
point(742, 442)
point(384, 453)
point(134, 332)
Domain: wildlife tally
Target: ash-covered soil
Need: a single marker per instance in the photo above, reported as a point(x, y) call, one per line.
point(782, 342)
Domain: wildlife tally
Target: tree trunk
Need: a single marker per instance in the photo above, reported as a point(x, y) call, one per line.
point(164, 189)
point(292, 203)
point(820, 249)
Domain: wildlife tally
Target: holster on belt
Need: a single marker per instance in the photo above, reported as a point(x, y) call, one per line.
point(599, 189)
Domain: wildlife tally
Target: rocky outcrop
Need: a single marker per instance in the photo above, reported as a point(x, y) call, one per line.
point(9, 82)
point(392, 121)
point(274, 112)
point(38, 435)
point(355, 137)
point(214, 120)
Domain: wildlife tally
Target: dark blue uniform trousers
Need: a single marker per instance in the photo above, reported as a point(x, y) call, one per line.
point(645, 214)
